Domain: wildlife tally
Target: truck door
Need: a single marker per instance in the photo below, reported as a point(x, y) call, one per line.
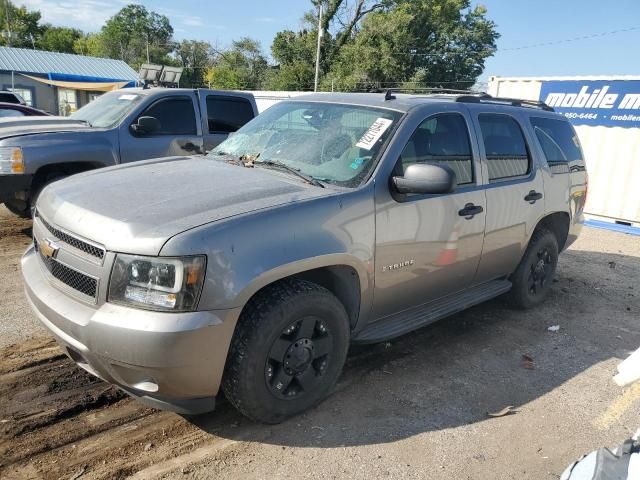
point(175, 130)
point(515, 189)
point(223, 114)
point(428, 246)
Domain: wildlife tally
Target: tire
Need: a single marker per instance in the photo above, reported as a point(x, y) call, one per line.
point(36, 190)
point(13, 207)
point(287, 352)
point(533, 278)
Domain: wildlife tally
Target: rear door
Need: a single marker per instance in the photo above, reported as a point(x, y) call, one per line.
point(515, 190)
point(426, 245)
point(223, 114)
point(179, 132)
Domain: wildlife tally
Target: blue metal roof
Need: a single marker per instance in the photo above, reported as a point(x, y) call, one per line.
point(64, 64)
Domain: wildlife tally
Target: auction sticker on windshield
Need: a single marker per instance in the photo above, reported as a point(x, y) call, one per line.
point(374, 133)
point(127, 96)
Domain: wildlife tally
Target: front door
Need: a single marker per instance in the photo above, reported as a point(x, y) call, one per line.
point(177, 132)
point(428, 246)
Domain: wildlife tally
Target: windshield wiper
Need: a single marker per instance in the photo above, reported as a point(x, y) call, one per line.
point(283, 166)
point(87, 122)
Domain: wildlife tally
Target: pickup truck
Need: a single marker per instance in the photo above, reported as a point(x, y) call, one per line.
point(326, 220)
point(119, 127)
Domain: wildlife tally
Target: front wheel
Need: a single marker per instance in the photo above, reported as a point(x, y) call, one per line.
point(533, 278)
point(287, 352)
point(39, 186)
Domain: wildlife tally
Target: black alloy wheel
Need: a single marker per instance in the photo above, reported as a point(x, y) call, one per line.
point(298, 358)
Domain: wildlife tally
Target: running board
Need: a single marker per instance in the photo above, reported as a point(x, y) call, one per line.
point(409, 320)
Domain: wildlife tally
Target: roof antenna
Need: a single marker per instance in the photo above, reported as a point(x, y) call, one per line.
point(388, 95)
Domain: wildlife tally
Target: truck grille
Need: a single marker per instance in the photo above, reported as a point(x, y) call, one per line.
point(75, 242)
point(72, 278)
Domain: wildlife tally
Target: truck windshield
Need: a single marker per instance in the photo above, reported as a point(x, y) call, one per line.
point(107, 110)
point(333, 143)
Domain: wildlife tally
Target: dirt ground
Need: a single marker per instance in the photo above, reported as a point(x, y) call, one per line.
point(412, 408)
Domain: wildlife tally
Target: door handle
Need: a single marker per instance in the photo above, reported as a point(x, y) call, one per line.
point(533, 196)
point(470, 210)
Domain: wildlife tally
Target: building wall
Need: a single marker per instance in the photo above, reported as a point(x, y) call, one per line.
point(44, 97)
point(612, 154)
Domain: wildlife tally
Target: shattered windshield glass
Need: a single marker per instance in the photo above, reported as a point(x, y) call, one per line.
point(333, 143)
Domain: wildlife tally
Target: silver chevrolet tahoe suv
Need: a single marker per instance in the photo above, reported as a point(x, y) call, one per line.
point(326, 220)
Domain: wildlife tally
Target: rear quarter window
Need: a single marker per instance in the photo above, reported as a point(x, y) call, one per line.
point(558, 140)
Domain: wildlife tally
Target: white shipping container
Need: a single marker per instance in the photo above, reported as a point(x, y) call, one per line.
point(612, 153)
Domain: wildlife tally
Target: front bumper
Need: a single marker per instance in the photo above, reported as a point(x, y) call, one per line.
point(172, 361)
point(12, 184)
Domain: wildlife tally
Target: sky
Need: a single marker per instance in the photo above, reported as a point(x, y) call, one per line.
point(521, 23)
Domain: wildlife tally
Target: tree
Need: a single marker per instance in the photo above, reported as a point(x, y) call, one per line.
point(134, 31)
point(417, 43)
point(195, 57)
point(244, 66)
point(91, 45)
point(58, 39)
point(20, 27)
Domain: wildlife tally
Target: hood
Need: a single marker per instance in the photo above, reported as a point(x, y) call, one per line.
point(14, 126)
point(136, 208)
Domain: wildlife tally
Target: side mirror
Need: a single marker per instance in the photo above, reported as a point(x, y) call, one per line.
point(145, 126)
point(426, 178)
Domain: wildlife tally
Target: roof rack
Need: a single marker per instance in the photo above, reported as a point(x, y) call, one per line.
point(516, 102)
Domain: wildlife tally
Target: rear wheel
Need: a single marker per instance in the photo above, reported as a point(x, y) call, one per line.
point(287, 352)
point(533, 278)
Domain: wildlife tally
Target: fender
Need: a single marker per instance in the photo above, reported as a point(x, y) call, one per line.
point(248, 252)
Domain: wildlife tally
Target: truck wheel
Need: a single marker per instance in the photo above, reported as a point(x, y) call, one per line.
point(39, 186)
point(533, 278)
point(14, 206)
point(287, 352)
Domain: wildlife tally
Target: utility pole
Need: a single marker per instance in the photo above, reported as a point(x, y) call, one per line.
point(6, 8)
point(320, 33)
point(147, 47)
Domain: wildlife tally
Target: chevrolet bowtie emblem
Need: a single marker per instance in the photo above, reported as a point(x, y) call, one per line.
point(49, 248)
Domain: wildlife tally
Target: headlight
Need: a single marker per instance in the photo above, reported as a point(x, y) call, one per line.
point(11, 160)
point(156, 283)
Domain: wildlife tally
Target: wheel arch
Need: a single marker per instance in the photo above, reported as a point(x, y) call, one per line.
point(346, 280)
point(65, 168)
point(558, 224)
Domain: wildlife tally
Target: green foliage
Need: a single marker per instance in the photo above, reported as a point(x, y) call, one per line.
point(396, 43)
point(244, 66)
point(90, 45)
point(130, 32)
point(195, 57)
point(21, 23)
point(59, 39)
point(366, 44)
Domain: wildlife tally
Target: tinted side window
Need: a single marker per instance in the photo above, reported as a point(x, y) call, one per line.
point(505, 146)
point(227, 114)
point(8, 98)
point(558, 140)
point(441, 139)
point(176, 116)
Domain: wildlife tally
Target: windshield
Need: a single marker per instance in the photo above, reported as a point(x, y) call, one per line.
point(107, 110)
point(333, 143)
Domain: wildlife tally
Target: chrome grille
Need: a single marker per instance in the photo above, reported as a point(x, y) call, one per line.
point(72, 278)
point(75, 242)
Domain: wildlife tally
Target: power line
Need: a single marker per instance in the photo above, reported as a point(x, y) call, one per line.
point(574, 39)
